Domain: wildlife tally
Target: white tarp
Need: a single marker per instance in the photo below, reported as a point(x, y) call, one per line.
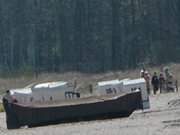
point(109, 87)
point(50, 91)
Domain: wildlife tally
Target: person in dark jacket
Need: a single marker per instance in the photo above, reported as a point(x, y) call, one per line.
point(155, 82)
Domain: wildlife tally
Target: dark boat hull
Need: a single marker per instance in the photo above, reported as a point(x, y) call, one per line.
point(18, 115)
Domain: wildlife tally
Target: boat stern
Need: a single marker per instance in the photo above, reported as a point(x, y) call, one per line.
point(11, 118)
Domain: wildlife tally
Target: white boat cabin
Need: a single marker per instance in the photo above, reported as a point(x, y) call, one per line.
point(110, 87)
point(44, 92)
point(123, 86)
point(138, 84)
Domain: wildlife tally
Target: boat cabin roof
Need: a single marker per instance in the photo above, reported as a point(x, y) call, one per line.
point(135, 81)
point(50, 85)
point(22, 91)
point(41, 86)
point(111, 82)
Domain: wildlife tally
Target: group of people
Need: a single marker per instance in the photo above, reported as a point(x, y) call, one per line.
point(158, 82)
point(161, 82)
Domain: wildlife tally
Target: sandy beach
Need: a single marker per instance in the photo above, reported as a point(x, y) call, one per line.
point(162, 119)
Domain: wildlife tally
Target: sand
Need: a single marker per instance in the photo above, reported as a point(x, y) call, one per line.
point(162, 119)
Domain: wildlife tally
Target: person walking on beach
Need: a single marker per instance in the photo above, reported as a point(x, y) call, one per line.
point(155, 83)
point(148, 81)
point(162, 82)
point(142, 73)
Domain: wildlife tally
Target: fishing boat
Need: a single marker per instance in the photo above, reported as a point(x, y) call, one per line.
point(42, 105)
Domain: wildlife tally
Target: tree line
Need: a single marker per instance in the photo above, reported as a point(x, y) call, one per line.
point(87, 35)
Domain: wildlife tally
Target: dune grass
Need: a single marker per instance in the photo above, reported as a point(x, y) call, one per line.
point(1, 108)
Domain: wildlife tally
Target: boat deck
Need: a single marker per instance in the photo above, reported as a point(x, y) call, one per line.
point(69, 102)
